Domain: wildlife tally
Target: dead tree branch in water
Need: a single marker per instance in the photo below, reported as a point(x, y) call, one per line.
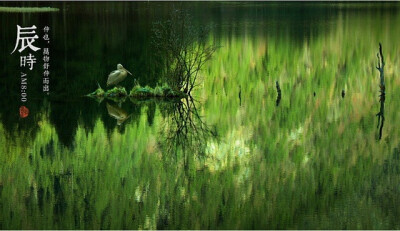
point(240, 95)
point(278, 89)
point(381, 113)
point(380, 66)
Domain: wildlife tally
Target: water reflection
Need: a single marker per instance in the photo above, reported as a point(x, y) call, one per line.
point(117, 113)
point(381, 114)
point(278, 90)
point(184, 129)
point(309, 163)
point(380, 67)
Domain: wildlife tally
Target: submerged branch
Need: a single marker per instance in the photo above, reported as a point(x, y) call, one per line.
point(381, 65)
point(278, 89)
point(381, 113)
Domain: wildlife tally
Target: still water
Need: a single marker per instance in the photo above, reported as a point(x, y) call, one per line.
point(313, 159)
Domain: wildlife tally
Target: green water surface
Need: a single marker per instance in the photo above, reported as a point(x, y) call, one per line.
point(233, 157)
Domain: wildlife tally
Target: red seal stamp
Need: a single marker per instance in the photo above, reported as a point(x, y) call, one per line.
point(23, 112)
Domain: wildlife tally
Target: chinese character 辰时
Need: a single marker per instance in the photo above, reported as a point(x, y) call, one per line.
point(30, 60)
point(25, 37)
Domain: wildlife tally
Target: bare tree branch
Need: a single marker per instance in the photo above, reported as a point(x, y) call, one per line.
point(185, 48)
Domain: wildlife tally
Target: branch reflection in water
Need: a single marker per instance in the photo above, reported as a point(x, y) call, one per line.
point(183, 135)
point(381, 113)
point(184, 131)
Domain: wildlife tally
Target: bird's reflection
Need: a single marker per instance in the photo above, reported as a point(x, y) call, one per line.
point(117, 113)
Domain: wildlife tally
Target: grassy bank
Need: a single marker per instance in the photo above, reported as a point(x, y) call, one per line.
point(138, 92)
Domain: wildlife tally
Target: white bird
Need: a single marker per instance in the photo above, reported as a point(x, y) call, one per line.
point(117, 76)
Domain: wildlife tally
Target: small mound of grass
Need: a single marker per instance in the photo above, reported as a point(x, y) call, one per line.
point(164, 91)
point(99, 92)
point(169, 92)
point(116, 92)
point(158, 92)
point(138, 92)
